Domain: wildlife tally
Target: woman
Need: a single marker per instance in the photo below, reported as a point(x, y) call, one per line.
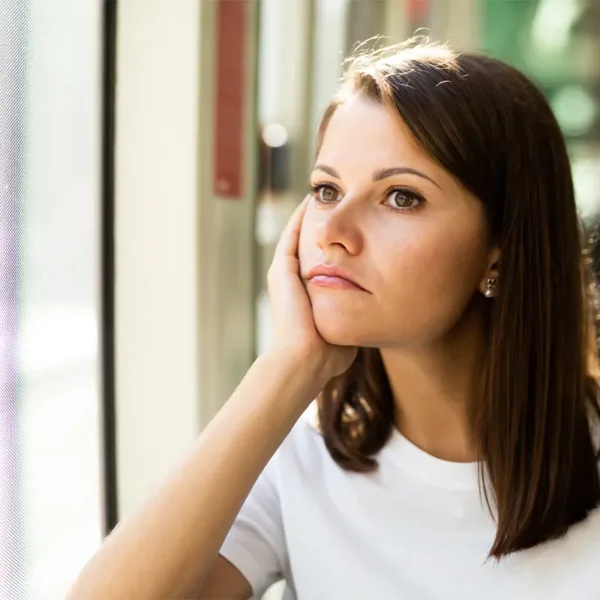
point(432, 293)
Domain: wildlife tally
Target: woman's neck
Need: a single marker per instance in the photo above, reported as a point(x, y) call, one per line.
point(433, 387)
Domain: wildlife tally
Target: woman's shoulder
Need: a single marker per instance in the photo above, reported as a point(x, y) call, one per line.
point(310, 419)
point(307, 432)
point(304, 445)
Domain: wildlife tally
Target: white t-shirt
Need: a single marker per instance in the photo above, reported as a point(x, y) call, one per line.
point(415, 529)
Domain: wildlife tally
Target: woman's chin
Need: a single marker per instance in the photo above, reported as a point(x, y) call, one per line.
point(338, 328)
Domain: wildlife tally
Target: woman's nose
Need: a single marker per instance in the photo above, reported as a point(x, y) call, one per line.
point(340, 225)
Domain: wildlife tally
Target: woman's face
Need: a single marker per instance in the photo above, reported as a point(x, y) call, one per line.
point(400, 226)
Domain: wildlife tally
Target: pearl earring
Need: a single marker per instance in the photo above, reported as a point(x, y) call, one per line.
point(490, 291)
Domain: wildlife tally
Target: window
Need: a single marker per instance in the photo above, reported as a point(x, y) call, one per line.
point(51, 503)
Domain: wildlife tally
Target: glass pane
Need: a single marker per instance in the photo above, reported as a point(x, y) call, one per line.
point(50, 419)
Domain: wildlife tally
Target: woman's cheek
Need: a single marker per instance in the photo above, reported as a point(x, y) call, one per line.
point(410, 251)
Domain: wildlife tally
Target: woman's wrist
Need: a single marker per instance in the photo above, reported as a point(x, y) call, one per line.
point(303, 371)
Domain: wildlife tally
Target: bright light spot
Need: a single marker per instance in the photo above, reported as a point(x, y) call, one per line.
point(275, 135)
point(575, 109)
point(551, 26)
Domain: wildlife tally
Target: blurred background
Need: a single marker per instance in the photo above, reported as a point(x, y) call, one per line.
point(150, 153)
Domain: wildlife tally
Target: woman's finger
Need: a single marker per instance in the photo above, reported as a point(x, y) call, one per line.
point(288, 242)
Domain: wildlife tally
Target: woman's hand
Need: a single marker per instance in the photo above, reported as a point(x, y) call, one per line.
point(295, 334)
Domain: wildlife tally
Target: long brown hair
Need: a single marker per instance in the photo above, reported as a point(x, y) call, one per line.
point(489, 126)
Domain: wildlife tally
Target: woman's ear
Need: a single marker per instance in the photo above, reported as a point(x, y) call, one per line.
point(489, 284)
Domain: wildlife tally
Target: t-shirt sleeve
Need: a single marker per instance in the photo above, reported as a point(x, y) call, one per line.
point(255, 543)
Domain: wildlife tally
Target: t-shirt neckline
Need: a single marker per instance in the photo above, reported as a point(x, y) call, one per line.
point(430, 469)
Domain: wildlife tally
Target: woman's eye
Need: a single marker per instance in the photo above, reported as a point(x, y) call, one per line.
point(403, 199)
point(325, 193)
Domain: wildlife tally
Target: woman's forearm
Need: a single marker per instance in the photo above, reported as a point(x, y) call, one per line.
point(167, 548)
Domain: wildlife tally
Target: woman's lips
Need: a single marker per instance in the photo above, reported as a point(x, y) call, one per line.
point(332, 281)
point(333, 276)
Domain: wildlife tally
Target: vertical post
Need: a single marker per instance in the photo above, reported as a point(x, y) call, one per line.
point(227, 186)
point(156, 198)
point(329, 46)
point(110, 513)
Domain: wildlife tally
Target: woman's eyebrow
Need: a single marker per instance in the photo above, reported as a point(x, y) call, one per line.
point(329, 170)
point(384, 173)
point(381, 174)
